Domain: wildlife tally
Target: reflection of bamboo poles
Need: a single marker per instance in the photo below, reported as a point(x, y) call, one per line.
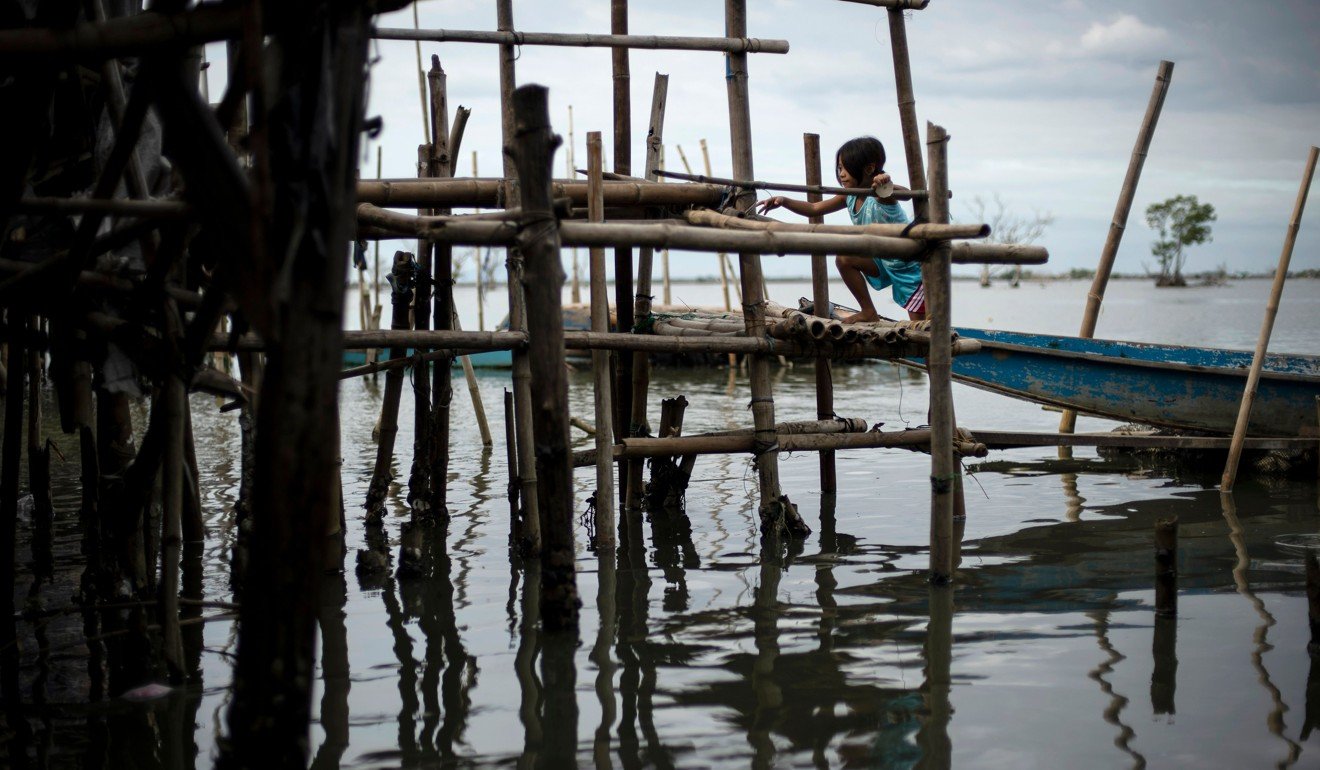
point(606, 606)
point(933, 737)
point(1113, 713)
point(1274, 721)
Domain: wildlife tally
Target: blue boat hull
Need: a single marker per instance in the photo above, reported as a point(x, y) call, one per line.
point(1169, 386)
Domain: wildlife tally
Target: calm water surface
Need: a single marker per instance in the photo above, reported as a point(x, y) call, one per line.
point(694, 652)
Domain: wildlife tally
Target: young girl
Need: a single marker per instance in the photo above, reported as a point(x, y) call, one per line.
point(860, 162)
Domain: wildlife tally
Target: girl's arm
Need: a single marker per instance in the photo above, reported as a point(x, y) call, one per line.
point(805, 208)
point(882, 179)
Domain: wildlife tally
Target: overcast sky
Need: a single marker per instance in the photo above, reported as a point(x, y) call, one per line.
point(1042, 99)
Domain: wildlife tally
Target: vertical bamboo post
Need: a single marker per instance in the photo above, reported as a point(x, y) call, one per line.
point(638, 425)
point(665, 297)
point(529, 506)
point(570, 168)
point(172, 478)
point(820, 298)
point(442, 391)
point(419, 493)
point(773, 505)
point(38, 455)
point(939, 365)
point(538, 239)
point(1068, 421)
point(1166, 567)
point(511, 457)
point(623, 266)
point(401, 281)
point(907, 106)
point(606, 531)
point(9, 473)
point(1267, 327)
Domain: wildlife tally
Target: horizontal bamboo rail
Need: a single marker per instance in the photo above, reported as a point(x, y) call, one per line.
point(455, 230)
point(120, 207)
point(903, 5)
point(655, 42)
point(802, 188)
point(916, 440)
point(583, 340)
point(95, 280)
point(137, 35)
point(490, 193)
point(924, 231)
point(1003, 439)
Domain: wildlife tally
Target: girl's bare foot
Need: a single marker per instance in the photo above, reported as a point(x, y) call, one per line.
point(864, 317)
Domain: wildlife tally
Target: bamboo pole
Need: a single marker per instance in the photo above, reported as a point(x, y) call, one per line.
point(175, 397)
point(906, 5)
point(907, 106)
point(467, 230)
point(419, 493)
point(1118, 226)
point(773, 506)
point(924, 231)
point(1267, 326)
point(802, 188)
point(664, 254)
point(623, 265)
point(1166, 567)
point(606, 527)
point(511, 457)
point(484, 192)
point(474, 390)
point(539, 243)
point(821, 307)
point(442, 391)
point(736, 443)
point(575, 294)
point(580, 40)
point(638, 424)
point(529, 505)
point(137, 35)
point(943, 470)
point(401, 281)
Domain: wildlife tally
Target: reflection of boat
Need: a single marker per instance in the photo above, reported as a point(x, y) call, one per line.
point(1170, 386)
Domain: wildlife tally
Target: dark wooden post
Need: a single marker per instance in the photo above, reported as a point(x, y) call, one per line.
point(419, 487)
point(9, 473)
point(401, 293)
point(943, 466)
point(313, 122)
point(538, 239)
point(820, 300)
point(442, 391)
point(623, 266)
point(1313, 602)
point(1166, 567)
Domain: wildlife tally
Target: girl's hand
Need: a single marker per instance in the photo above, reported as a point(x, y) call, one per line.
point(770, 204)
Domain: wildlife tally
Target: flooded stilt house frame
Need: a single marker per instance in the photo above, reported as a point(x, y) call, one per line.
point(255, 245)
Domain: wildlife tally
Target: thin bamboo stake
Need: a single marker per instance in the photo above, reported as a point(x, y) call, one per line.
point(1267, 326)
point(534, 154)
point(511, 458)
point(737, 443)
point(478, 406)
point(421, 80)
point(575, 293)
point(175, 396)
point(1166, 567)
point(821, 307)
point(529, 504)
point(664, 254)
point(606, 528)
point(802, 188)
point(907, 107)
point(614, 41)
point(924, 231)
point(419, 493)
point(416, 193)
point(721, 257)
point(402, 277)
point(1068, 421)
point(943, 469)
point(442, 310)
point(638, 424)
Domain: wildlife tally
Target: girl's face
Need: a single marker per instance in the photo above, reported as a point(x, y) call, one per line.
point(846, 179)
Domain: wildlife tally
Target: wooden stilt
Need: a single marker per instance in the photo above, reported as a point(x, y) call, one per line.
point(1166, 567)
point(9, 473)
point(606, 529)
point(907, 107)
point(539, 242)
point(943, 470)
point(419, 486)
point(638, 425)
point(1267, 326)
point(401, 280)
point(171, 542)
point(1068, 421)
point(623, 265)
point(522, 389)
point(442, 390)
point(511, 457)
point(820, 298)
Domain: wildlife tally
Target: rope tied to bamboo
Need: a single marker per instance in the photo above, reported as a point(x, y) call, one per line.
point(943, 484)
point(764, 447)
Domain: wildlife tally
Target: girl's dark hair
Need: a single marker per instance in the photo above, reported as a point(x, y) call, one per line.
point(856, 154)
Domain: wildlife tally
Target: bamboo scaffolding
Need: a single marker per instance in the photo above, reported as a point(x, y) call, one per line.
point(923, 231)
point(1118, 225)
point(803, 188)
point(638, 424)
point(616, 41)
point(1267, 325)
point(138, 35)
point(606, 526)
point(534, 154)
point(459, 230)
point(943, 469)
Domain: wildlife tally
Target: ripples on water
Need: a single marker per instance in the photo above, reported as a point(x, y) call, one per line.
point(1046, 654)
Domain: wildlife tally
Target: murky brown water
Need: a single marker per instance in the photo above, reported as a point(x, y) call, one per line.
point(696, 653)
